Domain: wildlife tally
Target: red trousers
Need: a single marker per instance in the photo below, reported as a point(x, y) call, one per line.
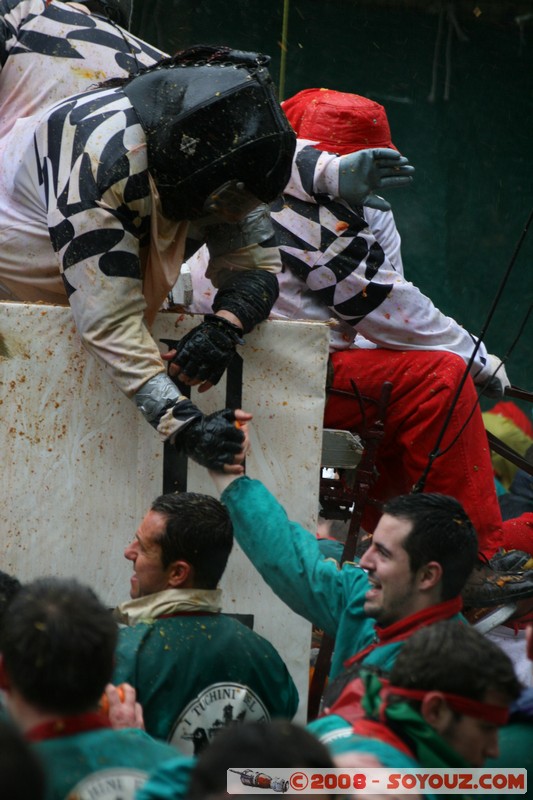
point(424, 383)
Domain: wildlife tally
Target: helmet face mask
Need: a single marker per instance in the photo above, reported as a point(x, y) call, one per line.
point(209, 128)
point(229, 203)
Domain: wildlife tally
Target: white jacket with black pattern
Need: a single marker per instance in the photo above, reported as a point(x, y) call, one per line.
point(345, 263)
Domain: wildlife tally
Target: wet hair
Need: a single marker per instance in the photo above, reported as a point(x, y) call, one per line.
point(198, 530)
point(453, 657)
point(441, 531)
point(58, 643)
point(254, 745)
point(21, 772)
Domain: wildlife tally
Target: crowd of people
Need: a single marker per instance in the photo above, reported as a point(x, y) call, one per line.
point(112, 176)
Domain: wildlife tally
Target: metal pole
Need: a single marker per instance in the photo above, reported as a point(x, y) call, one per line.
point(283, 44)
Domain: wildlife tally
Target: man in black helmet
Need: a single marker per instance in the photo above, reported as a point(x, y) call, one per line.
point(99, 209)
point(99, 191)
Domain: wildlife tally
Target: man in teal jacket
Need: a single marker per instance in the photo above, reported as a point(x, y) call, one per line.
point(422, 552)
point(442, 705)
point(195, 670)
point(446, 701)
point(58, 643)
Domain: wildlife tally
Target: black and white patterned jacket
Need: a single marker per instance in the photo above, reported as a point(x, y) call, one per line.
point(79, 214)
point(345, 263)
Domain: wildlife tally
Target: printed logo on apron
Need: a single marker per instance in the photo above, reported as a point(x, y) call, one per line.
point(217, 707)
point(109, 784)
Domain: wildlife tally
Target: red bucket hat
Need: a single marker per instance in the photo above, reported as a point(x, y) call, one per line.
point(339, 121)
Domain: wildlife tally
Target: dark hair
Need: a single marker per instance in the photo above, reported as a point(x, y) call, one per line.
point(21, 772)
point(9, 586)
point(441, 531)
point(58, 643)
point(199, 531)
point(279, 743)
point(453, 657)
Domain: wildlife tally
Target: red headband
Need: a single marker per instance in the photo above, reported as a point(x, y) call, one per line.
point(497, 715)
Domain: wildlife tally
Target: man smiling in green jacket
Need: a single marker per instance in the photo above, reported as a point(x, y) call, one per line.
point(422, 552)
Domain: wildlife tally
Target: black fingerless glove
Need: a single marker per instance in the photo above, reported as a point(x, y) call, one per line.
point(211, 441)
point(249, 295)
point(206, 351)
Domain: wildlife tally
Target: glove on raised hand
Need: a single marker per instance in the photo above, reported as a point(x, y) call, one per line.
point(206, 351)
point(366, 171)
point(498, 382)
point(212, 440)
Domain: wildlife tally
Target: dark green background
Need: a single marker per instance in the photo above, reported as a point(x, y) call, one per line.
point(473, 152)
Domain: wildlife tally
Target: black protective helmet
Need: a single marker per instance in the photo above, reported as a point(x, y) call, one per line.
point(211, 117)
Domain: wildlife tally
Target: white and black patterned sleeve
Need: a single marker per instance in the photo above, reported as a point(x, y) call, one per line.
point(59, 30)
point(12, 15)
point(331, 247)
point(49, 52)
point(91, 162)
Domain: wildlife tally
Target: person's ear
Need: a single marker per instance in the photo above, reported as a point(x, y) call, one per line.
point(430, 575)
point(180, 575)
point(529, 641)
point(436, 711)
point(5, 683)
